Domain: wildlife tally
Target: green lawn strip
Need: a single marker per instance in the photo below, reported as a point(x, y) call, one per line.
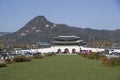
point(60, 68)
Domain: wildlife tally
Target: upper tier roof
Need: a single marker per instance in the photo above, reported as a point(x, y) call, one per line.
point(66, 38)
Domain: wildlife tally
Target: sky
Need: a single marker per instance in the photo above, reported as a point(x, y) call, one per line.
point(95, 14)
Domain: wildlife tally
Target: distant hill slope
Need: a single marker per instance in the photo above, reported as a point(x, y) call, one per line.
point(40, 29)
point(4, 33)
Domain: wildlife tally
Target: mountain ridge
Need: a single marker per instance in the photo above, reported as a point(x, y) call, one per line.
point(4, 33)
point(40, 29)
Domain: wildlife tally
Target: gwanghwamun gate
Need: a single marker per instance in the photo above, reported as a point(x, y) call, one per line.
point(65, 45)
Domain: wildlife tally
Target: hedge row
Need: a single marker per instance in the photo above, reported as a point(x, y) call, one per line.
point(115, 61)
point(95, 56)
point(111, 61)
point(24, 59)
point(3, 64)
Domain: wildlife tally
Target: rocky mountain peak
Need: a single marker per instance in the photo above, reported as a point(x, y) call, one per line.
point(40, 19)
point(37, 24)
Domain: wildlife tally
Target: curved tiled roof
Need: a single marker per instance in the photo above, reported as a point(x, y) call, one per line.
point(66, 38)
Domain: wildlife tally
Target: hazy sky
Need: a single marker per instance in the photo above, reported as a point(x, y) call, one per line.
point(96, 14)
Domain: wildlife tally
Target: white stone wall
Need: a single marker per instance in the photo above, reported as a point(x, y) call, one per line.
point(62, 48)
point(55, 48)
point(92, 49)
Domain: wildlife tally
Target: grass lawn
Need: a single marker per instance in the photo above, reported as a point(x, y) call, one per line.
point(60, 68)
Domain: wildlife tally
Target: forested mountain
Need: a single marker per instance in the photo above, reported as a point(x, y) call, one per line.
point(40, 29)
point(4, 33)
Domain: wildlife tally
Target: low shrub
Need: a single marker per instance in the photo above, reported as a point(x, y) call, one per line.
point(22, 59)
point(28, 59)
point(8, 61)
point(83, 54)
point(92, 56)
point(101, 56)
point(50, 54)
point(37, 55)
point(112, 61)
point(3, 64)
point(105, 61)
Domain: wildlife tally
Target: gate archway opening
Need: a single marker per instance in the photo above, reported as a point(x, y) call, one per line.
point(66, 50)
point(73, 51)
point(59, 51)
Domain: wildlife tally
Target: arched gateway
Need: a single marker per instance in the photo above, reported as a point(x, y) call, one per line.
point(66, 50)
point(67, 44)
point(59, 51)
point(73, 51)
